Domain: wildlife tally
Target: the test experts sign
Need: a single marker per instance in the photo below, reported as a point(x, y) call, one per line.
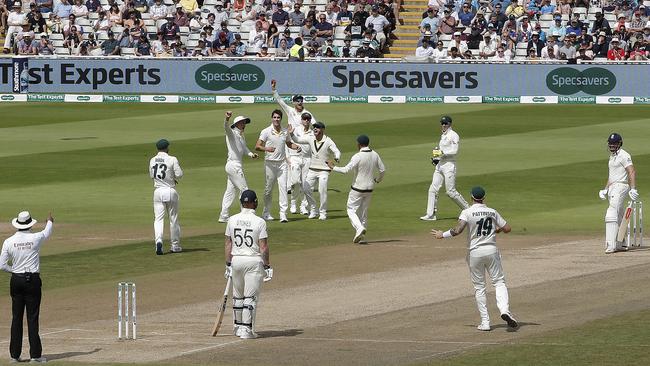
point(341, 79)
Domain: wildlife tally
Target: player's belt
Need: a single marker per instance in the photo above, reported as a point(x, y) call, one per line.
point(361, 190)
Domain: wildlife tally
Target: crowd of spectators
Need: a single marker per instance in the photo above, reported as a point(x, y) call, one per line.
point(503, 30)
point(208, 28)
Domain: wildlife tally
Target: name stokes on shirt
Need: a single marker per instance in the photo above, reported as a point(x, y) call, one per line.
point(24, 246)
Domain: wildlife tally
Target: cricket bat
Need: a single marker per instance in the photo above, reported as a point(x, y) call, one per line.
point(222, 308)
point(622, 230)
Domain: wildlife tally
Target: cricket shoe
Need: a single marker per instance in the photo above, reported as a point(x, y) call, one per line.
point(247, 334)
point(484, 326)
point(159, 248)
point(283, 218)
point(237, 330)
point(14, 360)
point(38, 360)
point(313, 215)
point(293, 209)
point(610, 250)
point(508, 318)
point(304, 210)
point(359, 234)
point(176, 249)
point(322, 217)
point(428, 218)
point(267, 217)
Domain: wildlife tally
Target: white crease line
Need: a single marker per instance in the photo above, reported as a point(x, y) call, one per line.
point(48, 333)
point(118, 239)
point(394, 341)
point(210, 347)
point(438, 354)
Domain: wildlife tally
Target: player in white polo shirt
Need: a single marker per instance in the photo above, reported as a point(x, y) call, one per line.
point(444, 158)
point(236, 144)
point(483, 223)
point(273, 141)
point(620, 182)
point(299, 166)
point(321, 147)
point(368, 170)
point(247, 261)
point(165, 171)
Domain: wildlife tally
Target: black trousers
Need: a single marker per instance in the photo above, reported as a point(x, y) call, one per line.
point(25, 292)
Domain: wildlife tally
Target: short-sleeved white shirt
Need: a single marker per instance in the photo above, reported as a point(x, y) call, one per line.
point(617, 164)
point(245, 229)
point(278, 140)
point(482, 223)
point(164, 170)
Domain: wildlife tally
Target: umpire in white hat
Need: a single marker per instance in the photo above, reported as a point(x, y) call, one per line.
point(23, 249)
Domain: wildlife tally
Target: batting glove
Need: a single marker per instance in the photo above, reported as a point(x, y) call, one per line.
point(634, 194)
point(602, 194)
point(268, 273)
point(228, 271)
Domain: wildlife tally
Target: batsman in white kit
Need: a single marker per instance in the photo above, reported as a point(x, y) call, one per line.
point(236, 144)
point(621, 182)
point(368, 170)
point(483, 224)
point(165, 171)
point(274, 141)
point(247, 262)
point(444, 158)
point(321, 147)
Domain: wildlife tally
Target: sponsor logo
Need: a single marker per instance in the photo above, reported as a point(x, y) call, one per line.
point(122, 98)
point(462, 99)
point(45, 97)
point(539, 99)
point(577, 100)
point(614, 100)
point(196, 99)
point(234, 99)
point(7, 98)
point(592, 81)
point(266, 99)
point(244, 77)
point(400, 79)
point(159, 98)
point(386, 99)
point(641, 100)
point(83, 98)
point(500, 99)
point(348, 99)
point(310, 99)
point(424, 99)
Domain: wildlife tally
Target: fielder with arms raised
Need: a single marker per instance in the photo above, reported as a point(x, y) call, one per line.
point(364, 164)
point(237, 148)
point(620, 182)
point(165, 171)
point(484, 222)
point(247, 261)
point(444, 158)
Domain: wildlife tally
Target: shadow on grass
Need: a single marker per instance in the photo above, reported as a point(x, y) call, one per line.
point(59, 356)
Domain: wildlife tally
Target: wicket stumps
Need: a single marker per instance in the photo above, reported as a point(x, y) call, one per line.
point(124, 307)
point(635, 225)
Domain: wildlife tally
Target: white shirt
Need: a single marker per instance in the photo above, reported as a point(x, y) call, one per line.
point(293, 116)
point(449, 144)
point(158, 11)
point(377, 23)
point(275, 139)
point(164, 170)
point(364, 164)
point(220, 17)
point(236, 143)
point(15, 19)
point(424, 52)
point(320, 150)
point(23, 248)
point(482, 223)
point(617, 163)
point(462, 46)
point(439, 54)
point(245, 229)
point(79, 11)
point(305, 149)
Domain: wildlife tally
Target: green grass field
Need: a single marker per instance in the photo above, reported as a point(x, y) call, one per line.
point(542, 167)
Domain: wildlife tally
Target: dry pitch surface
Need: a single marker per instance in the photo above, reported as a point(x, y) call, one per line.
point(390, 302)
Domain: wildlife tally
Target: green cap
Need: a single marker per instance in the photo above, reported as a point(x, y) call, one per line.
point(478, 193)
point(162, 144)
point(363, 140)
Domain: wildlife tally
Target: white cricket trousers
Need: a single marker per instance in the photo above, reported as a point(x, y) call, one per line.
point(275, 172)
point(165, 199)
point(482, 259)
point(444, 172)
point(11, 30)
point(614, 215)
point(247, 277)
point(298, 172)
point(323, 177)
point(358, 203)
point(236, 184)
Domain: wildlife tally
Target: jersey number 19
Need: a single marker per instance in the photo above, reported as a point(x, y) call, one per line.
point(484, 227)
